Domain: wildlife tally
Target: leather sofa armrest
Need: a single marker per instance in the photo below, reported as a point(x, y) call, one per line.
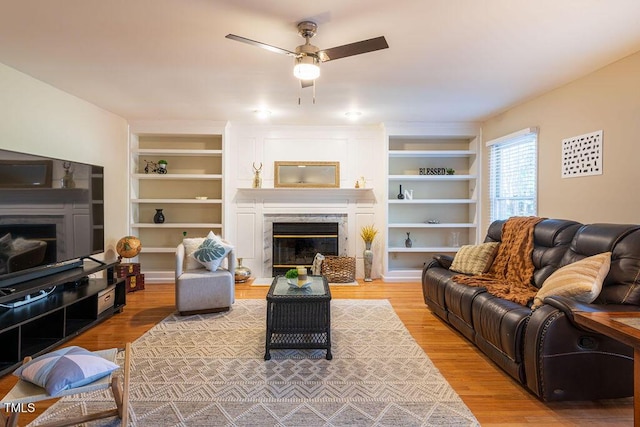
point(443, 260)
point(557, 352)
point(569, 306)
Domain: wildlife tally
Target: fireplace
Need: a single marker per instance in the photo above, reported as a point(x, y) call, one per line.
point(297, 243)
point(300, 219)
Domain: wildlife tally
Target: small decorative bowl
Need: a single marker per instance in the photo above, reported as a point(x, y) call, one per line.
point(294, 284)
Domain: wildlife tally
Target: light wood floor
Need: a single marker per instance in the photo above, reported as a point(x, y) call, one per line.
point(493, 397)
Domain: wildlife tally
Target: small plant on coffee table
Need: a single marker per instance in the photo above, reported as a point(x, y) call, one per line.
point(291, 274)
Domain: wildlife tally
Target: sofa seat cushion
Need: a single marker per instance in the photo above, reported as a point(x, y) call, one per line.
point(203, 275)
point(501, 323)
point(458, 301)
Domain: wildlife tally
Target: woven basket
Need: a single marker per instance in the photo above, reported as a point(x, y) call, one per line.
point(339, 269)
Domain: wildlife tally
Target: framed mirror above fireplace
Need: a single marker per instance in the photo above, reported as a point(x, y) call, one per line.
point(306, 174)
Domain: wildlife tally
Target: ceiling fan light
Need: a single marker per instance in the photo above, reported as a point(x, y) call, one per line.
point(306, 68)
point(262, 114)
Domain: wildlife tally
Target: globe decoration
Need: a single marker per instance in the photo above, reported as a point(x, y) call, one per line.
point(128, 247)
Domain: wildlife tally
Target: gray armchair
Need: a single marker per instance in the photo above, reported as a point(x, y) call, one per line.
point(202, 291)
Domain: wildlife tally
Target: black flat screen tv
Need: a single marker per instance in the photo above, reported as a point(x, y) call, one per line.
point(51, 215)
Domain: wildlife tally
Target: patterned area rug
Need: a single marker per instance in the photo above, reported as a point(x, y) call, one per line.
point(208, 370)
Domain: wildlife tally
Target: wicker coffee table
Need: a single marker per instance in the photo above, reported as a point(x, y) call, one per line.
point(298, 318)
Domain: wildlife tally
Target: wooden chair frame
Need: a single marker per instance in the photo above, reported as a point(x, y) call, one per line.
point(119, 385)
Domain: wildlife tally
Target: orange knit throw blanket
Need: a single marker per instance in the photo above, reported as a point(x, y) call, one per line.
point(511, 273)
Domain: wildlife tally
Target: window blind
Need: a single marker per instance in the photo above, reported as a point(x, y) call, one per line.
point(513, 173)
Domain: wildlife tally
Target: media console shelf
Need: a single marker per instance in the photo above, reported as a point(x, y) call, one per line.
point(78, 303)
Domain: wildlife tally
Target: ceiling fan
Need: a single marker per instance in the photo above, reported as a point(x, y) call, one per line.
point(307, 56)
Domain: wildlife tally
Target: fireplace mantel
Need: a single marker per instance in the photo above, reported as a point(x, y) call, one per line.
point(297, 194)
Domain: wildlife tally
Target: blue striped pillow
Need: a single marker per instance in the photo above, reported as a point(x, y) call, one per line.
point(64, 369)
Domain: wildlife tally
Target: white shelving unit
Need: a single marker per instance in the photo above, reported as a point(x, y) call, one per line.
point(441, 204)
point(190, 194)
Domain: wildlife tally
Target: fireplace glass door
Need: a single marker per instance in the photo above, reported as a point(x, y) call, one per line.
point(297, 243)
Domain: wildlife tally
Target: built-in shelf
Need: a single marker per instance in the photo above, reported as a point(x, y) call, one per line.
point(437, 210)
point(194, 158)
point(196, 201)
point(419, 249)
point(158, 250)
point(431, 177)
point(431, 153)
point(426, 225)
point(431, 201)
point(176, 225)
point(177, 176)
point(177, 152)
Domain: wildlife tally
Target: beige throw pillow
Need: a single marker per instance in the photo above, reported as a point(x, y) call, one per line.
point(474, 259)
point(581, 280)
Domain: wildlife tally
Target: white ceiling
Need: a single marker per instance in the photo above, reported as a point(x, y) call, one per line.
point(448, 60)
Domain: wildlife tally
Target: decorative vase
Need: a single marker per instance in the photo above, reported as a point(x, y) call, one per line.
point(408, 243)
point(242, 273)
point(158, 218)
point(454, 239)
point(400, 194)
point(367, 256)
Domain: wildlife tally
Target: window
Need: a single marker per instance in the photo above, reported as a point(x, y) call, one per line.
point(513, 175)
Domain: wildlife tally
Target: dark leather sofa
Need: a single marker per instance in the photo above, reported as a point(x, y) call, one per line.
point(544, 349)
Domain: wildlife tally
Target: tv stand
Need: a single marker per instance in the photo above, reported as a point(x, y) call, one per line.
point(37, 296)
point(93, 259)
point(78, 303)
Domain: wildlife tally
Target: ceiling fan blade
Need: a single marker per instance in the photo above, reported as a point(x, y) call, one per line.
point(262, 45)
point(306, 83)
point(351, 49)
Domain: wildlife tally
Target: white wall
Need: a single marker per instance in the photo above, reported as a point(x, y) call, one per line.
point(360, 151)
point(37, 118)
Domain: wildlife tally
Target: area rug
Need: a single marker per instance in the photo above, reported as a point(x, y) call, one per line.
point(208, 370)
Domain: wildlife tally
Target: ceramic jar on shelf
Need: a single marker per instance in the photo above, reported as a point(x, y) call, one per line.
point(158, 218)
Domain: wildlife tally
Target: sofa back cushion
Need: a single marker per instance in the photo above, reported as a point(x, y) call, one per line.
point(622, 284)
point(552, 238)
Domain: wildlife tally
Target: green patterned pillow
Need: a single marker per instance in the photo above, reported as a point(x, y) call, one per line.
point(474, 259)
point(211, 253)
point(191, 244)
